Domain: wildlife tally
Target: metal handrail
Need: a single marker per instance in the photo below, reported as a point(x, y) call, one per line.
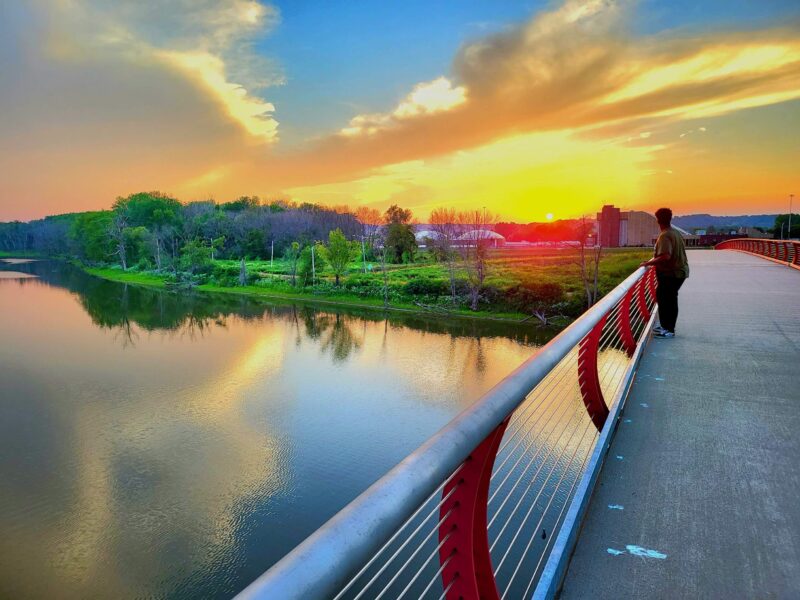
point(786, 252)
point(322, 564)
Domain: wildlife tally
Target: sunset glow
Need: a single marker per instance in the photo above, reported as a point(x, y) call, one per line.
point(517, 108)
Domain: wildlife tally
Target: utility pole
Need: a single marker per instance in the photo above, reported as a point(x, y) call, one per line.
point(364, 253)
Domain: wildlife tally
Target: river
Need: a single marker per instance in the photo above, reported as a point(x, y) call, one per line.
point(155, 444)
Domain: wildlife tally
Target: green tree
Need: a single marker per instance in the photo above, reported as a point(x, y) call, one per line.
point(196, 256)
point(309, 263)
point(217, 244)
point(339, 253)
point(254, 244)
point(396, 215)
point(158, 213)
point(292, 255)
point(241, 203)
point(90, 237)
point(782, 226)
point(400, 240)
point(136, 246)
point(400, 243)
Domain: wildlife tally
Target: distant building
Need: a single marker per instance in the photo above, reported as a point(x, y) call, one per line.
point(618, 228)
point(712, 239)
point(752, 232)
point(690, 239)
point(426, 235)
point(495, 240)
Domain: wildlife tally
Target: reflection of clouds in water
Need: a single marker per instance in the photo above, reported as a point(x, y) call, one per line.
point(162, 458)
point(160, 488)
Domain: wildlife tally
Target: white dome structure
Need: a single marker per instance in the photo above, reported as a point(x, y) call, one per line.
point(493, 238)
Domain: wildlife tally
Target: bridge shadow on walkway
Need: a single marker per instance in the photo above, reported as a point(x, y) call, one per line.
point(705, 465)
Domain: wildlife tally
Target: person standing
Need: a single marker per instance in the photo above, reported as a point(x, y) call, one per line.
point(672, 269)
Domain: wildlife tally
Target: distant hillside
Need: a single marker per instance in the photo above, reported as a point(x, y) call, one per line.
point(703, 221)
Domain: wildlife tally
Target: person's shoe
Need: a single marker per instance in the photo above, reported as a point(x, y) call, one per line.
point(658, 329)
point(665, 334)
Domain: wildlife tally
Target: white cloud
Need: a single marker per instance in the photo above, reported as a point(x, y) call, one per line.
point(691, 131)
point(211, 41)
point(426, 98)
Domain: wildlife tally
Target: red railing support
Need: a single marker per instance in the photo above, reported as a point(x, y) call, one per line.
point(786, 252)
point(651, 283)
point(641, 299)
point(624, 323)
point(466, 551)
point(588, 377)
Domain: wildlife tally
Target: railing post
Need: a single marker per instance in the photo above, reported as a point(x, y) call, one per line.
point(465, 553)
point(651, 282)
point(624, 323)
point(588, 377)
point(641, 299)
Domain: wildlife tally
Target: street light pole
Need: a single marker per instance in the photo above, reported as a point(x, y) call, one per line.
point(791, 197)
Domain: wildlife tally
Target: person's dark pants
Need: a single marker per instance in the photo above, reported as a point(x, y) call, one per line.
point(667, 297)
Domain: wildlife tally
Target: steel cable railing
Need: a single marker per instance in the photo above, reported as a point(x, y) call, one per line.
point(475, 511)
point(782, 251)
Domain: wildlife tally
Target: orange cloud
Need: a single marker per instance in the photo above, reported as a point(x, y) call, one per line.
point(179, 112)
point(571, 69)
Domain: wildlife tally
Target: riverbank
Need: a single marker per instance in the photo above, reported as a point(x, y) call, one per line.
point(306, 297)
point(534, 286)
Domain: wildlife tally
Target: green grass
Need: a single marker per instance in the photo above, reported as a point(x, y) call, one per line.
point(133, 277)
point(19, 254)
point(514, 277)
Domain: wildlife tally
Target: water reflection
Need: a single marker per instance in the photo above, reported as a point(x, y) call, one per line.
point(156, 444)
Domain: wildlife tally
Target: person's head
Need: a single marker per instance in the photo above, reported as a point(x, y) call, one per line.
point(664, 217)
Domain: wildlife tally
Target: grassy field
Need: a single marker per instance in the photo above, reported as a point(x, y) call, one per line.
point(519, 281)
point(5, 254)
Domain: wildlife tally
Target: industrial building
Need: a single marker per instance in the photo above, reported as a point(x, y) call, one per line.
point(616, 228)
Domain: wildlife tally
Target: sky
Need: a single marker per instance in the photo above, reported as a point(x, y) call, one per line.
point(523, 107)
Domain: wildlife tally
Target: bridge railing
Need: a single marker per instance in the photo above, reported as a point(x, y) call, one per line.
point(478, 509)
point(783, 251)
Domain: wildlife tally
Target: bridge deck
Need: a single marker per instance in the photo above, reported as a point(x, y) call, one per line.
point(707, 469)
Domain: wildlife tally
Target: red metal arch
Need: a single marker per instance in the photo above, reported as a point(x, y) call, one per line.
point(588, 378)
point(466, 551)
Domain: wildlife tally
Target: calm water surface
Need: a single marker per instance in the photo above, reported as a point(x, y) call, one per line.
point(175, 446)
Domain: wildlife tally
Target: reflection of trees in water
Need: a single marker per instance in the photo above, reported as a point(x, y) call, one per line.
point(121, 307)
point(333, 331)
point(340, 341)
point(125, 308)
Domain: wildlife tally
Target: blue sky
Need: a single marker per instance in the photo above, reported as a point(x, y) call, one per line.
point(363, 56)
point(528, 107)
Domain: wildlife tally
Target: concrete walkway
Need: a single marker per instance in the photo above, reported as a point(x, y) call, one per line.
point(706, 460)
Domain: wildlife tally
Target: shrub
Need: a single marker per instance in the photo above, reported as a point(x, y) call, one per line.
point(423, 286)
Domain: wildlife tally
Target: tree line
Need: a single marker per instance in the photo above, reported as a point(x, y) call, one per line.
point(152, 231)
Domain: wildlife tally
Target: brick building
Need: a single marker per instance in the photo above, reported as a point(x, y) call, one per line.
point(617, 228)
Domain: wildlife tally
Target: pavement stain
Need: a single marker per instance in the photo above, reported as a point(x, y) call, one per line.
point(635, 550)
